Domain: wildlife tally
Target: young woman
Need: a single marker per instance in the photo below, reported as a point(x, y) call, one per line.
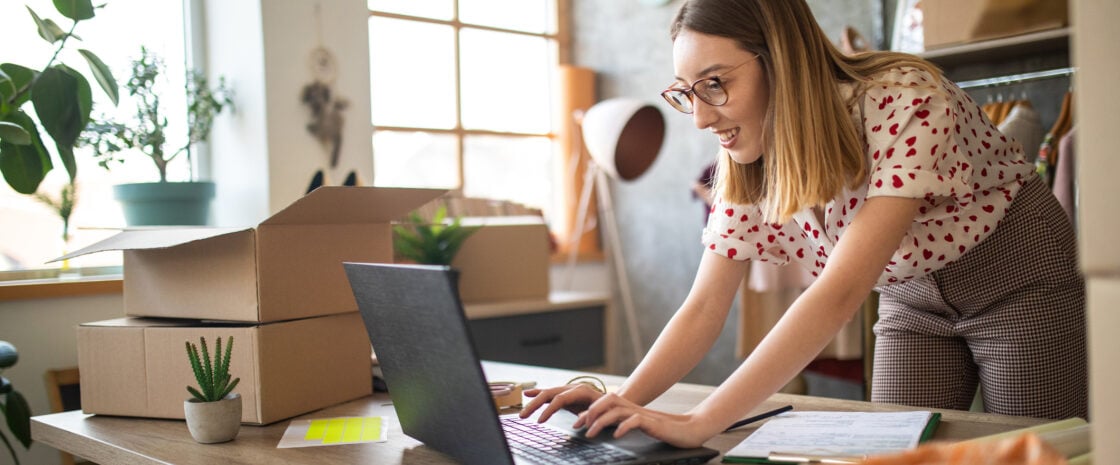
point(875, 173)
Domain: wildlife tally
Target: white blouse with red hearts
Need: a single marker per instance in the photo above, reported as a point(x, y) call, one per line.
point(925, 139)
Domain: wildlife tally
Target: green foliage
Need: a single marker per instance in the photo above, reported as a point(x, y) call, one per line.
point(145, 132)
point(61, 97)
point(430, 242)
point(14, 409)
point(213, 377)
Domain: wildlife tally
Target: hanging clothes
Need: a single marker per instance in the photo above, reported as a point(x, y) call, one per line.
point(1065, 175)
point(1024, 125)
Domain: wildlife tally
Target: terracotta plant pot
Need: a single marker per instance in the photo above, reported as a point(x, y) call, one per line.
point(213, 422)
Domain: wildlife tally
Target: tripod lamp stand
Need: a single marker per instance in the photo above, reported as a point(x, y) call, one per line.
point(623, 137)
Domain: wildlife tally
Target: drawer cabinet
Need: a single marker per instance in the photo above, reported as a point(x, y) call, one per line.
point(563, 338)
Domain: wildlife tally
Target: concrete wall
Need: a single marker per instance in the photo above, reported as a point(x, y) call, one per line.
point(627, 44)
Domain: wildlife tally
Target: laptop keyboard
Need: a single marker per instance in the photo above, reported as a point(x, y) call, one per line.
point(539, 443)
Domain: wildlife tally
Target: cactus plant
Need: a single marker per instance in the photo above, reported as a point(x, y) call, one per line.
point(213, 377)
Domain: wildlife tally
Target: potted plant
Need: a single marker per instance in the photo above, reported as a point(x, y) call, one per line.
point(163, 202)
point(61, 99)
point(14, 409)
point(213, 412)
point(432, 242)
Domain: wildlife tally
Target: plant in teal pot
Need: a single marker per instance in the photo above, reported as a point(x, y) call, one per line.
point(146, 134)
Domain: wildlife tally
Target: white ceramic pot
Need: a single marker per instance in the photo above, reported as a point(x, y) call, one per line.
point(213, 422)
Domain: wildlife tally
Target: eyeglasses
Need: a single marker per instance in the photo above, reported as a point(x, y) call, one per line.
point(710, 90)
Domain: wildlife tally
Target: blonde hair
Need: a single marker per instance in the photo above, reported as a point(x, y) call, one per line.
point(811, 148)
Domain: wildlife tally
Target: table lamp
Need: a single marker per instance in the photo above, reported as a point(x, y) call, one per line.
point(623, 137)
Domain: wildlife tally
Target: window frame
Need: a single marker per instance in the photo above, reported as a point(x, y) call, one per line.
point(458, 131)
point(561, 134)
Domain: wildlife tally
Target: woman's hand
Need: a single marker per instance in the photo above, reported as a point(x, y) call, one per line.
point(681, 430)
point(572, 397)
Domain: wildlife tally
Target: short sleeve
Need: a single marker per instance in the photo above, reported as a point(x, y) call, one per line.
point(908, 121)
point(738, 232)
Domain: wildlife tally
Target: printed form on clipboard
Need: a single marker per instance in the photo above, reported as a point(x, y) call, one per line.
point(833, 437)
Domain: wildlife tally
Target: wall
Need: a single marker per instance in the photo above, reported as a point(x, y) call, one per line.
point(1094, 52)
point(264, 158)
point(45, 333)
point(627, 44)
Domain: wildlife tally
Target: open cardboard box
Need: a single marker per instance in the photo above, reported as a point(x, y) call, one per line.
point(507, 258)
point(287, 267)
point(139, 367)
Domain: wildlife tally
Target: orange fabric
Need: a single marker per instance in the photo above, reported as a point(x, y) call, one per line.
point(1026, 449)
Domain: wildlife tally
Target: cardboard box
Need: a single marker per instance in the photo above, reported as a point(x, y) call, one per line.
point(287, 267)
point(507, 258)
point(139, 367)
point(954, 22)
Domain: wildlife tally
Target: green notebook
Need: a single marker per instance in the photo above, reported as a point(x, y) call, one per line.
point(834, 434)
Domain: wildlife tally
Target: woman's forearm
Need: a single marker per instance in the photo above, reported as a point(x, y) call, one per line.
point(690, 333)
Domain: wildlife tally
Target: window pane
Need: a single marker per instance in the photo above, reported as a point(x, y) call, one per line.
point(412, 86)
point(509, 168)
point(415, 159)
point(507, 81)
point(434, 9)
point(538, 16)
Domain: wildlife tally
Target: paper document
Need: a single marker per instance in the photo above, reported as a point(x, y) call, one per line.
point(332, 431)
point(834, 434)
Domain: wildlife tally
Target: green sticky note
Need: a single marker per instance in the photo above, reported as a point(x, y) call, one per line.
point(372, 429)
point(334, 430)
point(353, 431)
point(316, 430)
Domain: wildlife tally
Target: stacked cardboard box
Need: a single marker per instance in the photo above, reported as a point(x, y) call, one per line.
point(278, 288)
point(955, 22)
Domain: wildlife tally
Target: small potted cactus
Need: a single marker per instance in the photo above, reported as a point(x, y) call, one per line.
point(214, 411)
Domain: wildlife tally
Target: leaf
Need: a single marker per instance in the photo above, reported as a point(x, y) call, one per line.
point(102, 74)
point(18, 77)
point(19, 417)
point(48, 30)
point(75, 9)
point(63, 100)
point(24, 166)
point(14, 133)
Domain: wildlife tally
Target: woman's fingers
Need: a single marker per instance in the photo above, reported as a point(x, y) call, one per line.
point(570, 397)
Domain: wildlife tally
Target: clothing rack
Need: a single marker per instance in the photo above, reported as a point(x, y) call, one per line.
point(1017, 78)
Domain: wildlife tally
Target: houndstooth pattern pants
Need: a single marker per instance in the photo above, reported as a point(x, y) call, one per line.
point(1010, 315)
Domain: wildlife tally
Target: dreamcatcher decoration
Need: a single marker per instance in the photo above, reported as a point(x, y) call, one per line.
point(326, 107)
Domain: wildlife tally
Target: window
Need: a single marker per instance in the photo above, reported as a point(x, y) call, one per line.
point(467, 104)
point(31, 232)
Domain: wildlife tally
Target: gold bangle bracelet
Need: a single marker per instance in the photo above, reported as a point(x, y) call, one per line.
point(591, 381)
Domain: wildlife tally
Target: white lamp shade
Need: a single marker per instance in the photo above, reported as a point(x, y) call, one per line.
point(623, 136)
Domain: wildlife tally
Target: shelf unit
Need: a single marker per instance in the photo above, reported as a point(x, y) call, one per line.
point(1020, 46)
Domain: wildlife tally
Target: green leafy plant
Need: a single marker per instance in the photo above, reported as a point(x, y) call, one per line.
point(213, 378)
point(16, 412)
point(146, 132)
point(432, 242)
point(62, 100)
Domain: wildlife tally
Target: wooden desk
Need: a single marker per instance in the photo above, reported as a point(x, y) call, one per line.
point(118, 440)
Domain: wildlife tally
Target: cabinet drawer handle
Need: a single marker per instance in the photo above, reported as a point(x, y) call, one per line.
point(541, 341)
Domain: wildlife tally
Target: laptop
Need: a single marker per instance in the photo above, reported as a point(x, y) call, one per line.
point(419, 332)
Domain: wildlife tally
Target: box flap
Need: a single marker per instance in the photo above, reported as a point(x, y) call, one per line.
point(341, 205)
point(154, 238)
point(139, 322)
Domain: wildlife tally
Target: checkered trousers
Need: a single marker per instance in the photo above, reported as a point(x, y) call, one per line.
point(1010, 314)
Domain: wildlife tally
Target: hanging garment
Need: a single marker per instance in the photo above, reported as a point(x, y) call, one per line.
point(1065, 176)
point(1025, 126)
point(1061, 126)
point(1003, 110)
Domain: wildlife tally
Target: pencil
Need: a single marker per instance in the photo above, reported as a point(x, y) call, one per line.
point(759, 417)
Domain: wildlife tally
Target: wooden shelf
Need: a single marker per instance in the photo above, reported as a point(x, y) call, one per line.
point(1001, 49)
